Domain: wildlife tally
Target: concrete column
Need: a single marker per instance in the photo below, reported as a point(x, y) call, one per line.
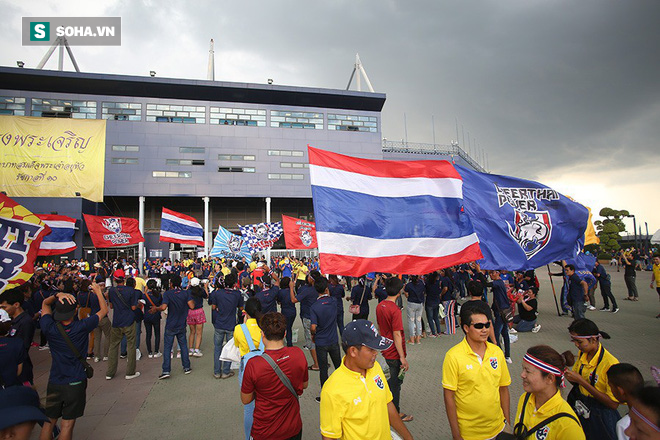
point(141, 255)
point(268, 221)
point(207, 240)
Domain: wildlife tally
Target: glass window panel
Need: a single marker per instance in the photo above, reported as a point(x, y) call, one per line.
point(224, 157)
point(118, 160)
point(131, 160)
point(249, 170)
point(297, 153)
point(273, 152)
point(273, 176)
point(119, 148)
point(285, 165)
point(285, 176)
point(249, 157)
point(298, 177)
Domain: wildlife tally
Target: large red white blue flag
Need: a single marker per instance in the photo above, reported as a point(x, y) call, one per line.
point(60, 240)
point(180, 228)
point(389, 216)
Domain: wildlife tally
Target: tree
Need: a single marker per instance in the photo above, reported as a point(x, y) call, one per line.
point(609, 230)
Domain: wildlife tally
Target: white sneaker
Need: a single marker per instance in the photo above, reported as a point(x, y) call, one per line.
point(97, 359)
point(105, 358)
point(512, 331)
point(132, 376)
point(150, 355)
point(591, 308)
point(198, 353)
point(178, 355)
point(509, 361)
point(138, 354)
point(158, 354)
point(536, 328)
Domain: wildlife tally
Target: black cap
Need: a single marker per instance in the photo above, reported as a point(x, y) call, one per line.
point(363, 332)
point(64, 310)
point(19, 405)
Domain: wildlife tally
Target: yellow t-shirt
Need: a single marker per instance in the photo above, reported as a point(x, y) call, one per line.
point(656, 274)
point(564, 428)
point(354, 407)
point(302, 271)
point(140, 284)
point(239, 336)
point(584, 369)
point(252, 266)
point(476, 383)
point(225, 270)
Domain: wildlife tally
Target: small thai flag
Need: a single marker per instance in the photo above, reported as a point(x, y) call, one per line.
point(60, 240)
point(389, 216)
point(180, 228)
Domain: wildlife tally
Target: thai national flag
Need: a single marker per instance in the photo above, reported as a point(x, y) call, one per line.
point(387, 216)
point(180, 228)
point(60, 240)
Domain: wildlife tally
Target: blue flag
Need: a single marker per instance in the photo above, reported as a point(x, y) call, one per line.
point(232, 246)
point(521, 224)
point(582, 262)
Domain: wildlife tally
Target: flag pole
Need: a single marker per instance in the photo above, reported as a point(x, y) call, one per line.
point(554, 294)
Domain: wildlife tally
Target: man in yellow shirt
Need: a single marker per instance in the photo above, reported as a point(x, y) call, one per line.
point(655, 275)
point(476, 379)
point(356, 402)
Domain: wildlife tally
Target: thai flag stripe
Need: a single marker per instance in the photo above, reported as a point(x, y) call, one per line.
point(364, 216)
point(180, 228)
point(402, 217)
point(60, 240)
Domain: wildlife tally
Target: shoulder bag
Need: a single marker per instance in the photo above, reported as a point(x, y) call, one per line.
point(355, 308)
point(89, 371)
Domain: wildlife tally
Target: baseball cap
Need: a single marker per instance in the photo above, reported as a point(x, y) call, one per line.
point(194, 282)
point(64, 310)
point(363, 332)
point(119, 273)
point(19, 405)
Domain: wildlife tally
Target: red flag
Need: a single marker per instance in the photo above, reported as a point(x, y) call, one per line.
point(299, 234)
point(113, 231)
point(21, 232)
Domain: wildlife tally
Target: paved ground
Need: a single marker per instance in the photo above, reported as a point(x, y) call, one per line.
point(199, 407)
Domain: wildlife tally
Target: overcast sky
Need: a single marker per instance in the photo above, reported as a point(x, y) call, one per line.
point(563, 92)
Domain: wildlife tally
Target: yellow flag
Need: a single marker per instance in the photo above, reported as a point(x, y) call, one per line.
point(590, 236)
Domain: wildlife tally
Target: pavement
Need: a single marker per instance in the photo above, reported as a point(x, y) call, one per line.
point(197, 406)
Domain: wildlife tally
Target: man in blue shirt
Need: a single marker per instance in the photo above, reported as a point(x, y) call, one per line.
point(501, 306)
point(224, 303)
point(268, 295)
point(67, 383)
point(605, 288)
point(306, 297)
point(177, 302)
point(323, 316)
point(577, 292)
point(22, 326)
point(123, 302)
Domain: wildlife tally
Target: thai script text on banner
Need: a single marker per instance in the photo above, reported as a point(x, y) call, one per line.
point(50, 157)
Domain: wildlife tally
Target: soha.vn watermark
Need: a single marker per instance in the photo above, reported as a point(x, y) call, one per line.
point(78, 31)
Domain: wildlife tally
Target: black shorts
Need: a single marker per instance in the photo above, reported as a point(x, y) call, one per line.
point(66, 401)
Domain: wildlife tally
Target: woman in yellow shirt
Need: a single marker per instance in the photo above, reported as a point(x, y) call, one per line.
point(247, 337)
point(591, 396)
point(542, 412)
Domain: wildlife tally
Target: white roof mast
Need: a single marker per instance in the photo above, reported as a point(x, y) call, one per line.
point(360, 72)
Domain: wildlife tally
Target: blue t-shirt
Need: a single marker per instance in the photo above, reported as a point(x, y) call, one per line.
point(415, 292)
point(507, 278)
point(601, 276)
point(287, 308)
point(157, 300)
point(306, 296)
point(177, 308)
point(380, 293)
point(522, 285)
point(227, 301)
point(433, 291)
point(356, 294)
point(12, 353)
point(198, 300)
point(445, 282)
point(323, 313)
point(575, 290)
point(123, 315)
point(500, 300)
point(268, 298)
point(286, 270)
point(65, 367)
point(337, 292)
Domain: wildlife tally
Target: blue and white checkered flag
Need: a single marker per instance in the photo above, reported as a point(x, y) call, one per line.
point(262, 236)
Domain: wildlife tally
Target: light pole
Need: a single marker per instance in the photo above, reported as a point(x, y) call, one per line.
point(634, 228)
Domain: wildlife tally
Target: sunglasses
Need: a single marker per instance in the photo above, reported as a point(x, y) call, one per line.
point(481, 325)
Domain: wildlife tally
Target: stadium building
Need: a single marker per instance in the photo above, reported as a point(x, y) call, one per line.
point(210, 149)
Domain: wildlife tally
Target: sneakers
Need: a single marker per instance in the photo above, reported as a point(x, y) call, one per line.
point(150, 355)
point(512, 331)
point(132, 376)
point(197, 353)
point(105, 358)
point(591, 307)
point(187, 370)
point(123, 356)
point(614, 310)
point(536, 328)
point(90, 356)
point(157, 354)
point(97, 359)
point(138, 354)
point(217, 376)
point(108, 377)
point(227, 376)
point(43, 347)
point(164, 376)
point(605, 309)
point(509, 361)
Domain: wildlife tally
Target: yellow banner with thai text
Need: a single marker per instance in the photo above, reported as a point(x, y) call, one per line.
point(51, 157)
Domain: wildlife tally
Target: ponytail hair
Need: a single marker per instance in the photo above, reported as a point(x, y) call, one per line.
point(586, 327)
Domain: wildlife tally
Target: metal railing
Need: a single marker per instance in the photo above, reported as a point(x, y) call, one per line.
point(435, 149)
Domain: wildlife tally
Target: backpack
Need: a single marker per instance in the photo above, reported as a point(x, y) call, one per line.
point(253, 350)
